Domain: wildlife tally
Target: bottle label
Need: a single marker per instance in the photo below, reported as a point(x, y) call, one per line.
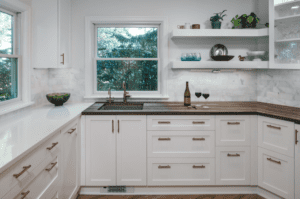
point(187, 100)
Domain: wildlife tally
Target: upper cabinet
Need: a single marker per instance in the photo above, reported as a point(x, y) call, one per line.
point(284, 34)
point(51, 35)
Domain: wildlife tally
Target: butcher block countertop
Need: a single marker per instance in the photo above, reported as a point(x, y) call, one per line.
point(214, 108)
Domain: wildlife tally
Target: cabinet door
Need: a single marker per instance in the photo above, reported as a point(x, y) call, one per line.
point(101, 150)
point(64, 33)
point(70, 161)
point(297, 162)
point(131, 150)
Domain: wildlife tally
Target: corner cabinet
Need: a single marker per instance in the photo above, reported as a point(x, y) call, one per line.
point(51, 33)
point(115, 150)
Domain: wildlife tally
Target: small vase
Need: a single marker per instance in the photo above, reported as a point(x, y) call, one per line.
point(216, 25)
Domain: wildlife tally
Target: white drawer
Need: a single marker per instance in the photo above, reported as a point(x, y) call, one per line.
point(181, 144)
point(276, 173)
point(276, 135)
point(181, 171)
point(233, 166)
point(41, 187)
point(34, 159)
point(178, 123)
point(233, 131)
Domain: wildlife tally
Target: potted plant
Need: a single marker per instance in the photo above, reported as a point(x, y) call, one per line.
point(249, 21)
point(236, 21)
point(215, 20)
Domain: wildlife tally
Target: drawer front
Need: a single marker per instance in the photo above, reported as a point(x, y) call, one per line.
point(43, 184)
point(181, 144)
point(181, 171)
point(233, 165)
point(276, 173)
point(35, 158)
point(233, 131)
point(178, 123)
point(276, 135)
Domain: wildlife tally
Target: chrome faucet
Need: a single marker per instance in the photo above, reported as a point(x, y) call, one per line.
point(109, 94)
point(125, 95)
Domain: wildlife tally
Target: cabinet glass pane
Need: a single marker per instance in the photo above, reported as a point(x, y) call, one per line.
point(6, 33)
point(127, 42)
point(8, 78)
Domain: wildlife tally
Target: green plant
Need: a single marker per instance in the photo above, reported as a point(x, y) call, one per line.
point(236, 21)
point(219, 16)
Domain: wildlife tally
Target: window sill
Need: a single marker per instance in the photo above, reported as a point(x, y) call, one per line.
point(137, 97)
point(14, 107)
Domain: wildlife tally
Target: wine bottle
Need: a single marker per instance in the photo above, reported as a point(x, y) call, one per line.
point(187, 95)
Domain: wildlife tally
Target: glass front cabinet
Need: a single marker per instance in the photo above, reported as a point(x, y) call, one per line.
point(284, 35)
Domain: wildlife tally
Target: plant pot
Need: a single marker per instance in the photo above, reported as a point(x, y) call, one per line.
point(216, 24)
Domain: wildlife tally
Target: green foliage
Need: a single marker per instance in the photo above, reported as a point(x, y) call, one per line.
point(236, 21)
point(247, 21)
point(218, 16)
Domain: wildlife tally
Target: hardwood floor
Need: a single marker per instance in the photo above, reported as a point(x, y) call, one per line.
point(242, 196)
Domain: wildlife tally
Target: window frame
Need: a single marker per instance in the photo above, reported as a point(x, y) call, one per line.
point(90, 55)
point(120, 93)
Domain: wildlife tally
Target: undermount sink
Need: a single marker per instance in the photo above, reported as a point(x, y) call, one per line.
point(122, 106)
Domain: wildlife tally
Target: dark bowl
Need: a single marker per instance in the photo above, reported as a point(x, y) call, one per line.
point(222, 58)
point(58, 99)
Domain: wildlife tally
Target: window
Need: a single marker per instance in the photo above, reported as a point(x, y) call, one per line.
point(9, 69)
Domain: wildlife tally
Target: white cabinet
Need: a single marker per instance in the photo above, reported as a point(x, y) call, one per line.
point(297, 161)
point(115, 150)
point(276, 135)
point(233, 131)
point(51, 22)
point(276, 173)
point(233, 166)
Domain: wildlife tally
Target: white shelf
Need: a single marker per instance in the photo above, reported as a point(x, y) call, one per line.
point(184, 33)
point(289, 3)
point(220, 64)
point(287, 19)
point(286, 66)
point(288, 40)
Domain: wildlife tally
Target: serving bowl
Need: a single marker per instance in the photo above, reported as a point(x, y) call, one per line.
point(222, 58)
point(256, 54)
point(58, 99)
point(218, 50)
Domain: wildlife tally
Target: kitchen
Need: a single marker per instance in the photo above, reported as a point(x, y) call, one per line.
point(249, 95)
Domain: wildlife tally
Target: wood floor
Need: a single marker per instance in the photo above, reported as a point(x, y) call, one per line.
point(243, 196)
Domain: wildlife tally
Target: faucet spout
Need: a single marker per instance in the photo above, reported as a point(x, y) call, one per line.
point(125, 95)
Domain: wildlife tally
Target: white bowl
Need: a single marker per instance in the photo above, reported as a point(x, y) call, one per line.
point(256, 53)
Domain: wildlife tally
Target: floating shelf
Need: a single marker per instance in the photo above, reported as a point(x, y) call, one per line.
point(191, 33)
point(289, 3)
point(286, 66)
point(287, 19)
point(220, 64)
point(288, 40)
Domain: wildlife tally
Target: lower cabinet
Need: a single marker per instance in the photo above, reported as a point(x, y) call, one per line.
point(276, 173)
point(116, 150)
point(181, 171)
point(233, 166)
point(297, 161)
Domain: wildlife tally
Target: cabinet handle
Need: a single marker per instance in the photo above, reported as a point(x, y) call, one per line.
point(118, 126)
point(24, 169)
point(277, 162)
point(198, 122)
point(164, 138)
point(24, 194)
point(113, 128)
point(162, 122)
point(201, 167)
point(72, 131)
point(63, 56)
point(53, 145)
point(233, 123)
point(274, 127)
point(201, 139)
point(164, 167)
point(53, 165)
point(296, 136)
point(230, 155)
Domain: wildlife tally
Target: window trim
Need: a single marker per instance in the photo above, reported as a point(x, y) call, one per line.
point(91, 22)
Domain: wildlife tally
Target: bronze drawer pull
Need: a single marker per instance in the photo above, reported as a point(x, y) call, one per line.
point(274, 127)
point(296, 136)
point(24, 194)
point(53, 145)
point(164, 138)
point(199, 139)
point(72, 131)
point(112, 125)
point(277, 162)
point(164, 122)
point(233, 123)
point(118, 126)
point(53, 165)
point(198, 122)
point(24, 169)
point(63, 56)
point(232, 155)
point(196, 167)
point(164, 167)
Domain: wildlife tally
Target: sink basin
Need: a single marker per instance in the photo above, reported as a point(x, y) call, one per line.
point(122, 106)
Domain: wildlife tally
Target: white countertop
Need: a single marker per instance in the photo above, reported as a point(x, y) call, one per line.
point(19, 135)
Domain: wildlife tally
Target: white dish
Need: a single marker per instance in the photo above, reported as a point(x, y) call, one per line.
point(256, 53)
point(205, 107)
